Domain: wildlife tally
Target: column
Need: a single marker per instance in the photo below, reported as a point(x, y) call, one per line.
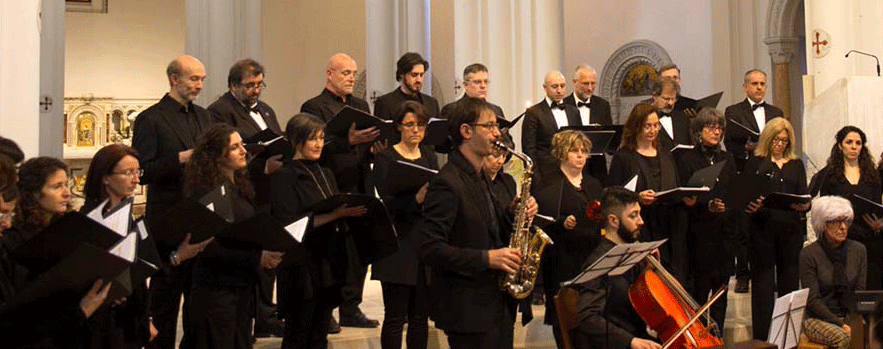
point(393, 28)
point(52, 79)
point(220, 33)
point(782, 50)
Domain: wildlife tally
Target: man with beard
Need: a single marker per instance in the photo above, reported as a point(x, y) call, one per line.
point(592, 110)
point(684, 104)
point(409, 71)
point(675, 124)
point(609, 320)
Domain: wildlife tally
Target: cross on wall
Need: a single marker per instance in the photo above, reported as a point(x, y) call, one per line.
point(819, 43)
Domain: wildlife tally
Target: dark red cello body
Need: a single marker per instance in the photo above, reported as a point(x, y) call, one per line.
point(667, 308)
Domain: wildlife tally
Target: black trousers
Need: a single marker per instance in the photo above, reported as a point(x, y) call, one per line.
point(500, 336)
point(704, 287)
point(355, 281)
point(741, 249)
point(166, 288)
point(775, 254)
point(306, 323)
point(220, 318)
point(401, 304)
point(264, 309)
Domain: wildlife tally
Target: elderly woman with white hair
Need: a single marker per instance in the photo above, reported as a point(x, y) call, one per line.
point(833, 268)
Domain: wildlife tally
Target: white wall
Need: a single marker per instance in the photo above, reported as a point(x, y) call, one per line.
point(123, 53)
point(20, 73)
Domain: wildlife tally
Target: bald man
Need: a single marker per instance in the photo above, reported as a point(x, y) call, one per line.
point(592, 110)
point(542, 121)
point(349, 157)
point(164, 135)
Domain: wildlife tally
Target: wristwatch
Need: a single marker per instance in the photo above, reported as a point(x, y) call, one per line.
point(173, 257)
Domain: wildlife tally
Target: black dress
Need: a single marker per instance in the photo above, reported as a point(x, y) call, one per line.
point(223, 291)
point(776, 238)
point(309, 291)
point(712, 235)
point(827, 183)
point(402, 275)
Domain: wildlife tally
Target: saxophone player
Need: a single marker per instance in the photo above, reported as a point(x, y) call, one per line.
point(465, 236)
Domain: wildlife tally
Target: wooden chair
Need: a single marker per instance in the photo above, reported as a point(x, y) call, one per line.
point(806, 344)
point(566, 305)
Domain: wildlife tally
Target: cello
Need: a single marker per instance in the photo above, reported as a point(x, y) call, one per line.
point(667, 308)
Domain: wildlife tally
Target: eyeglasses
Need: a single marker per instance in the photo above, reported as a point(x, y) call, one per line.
point(480, 82)
point(253, 85)
point(780, 141)
point(489, 125)
point(7, 215)
point(418, 125)
point(131, 173)
point(839, 221)
point(713, 128)
point(656, 126)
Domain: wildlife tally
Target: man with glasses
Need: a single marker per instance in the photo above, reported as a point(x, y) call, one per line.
point(348, 156)
point(242, 108)
point(475, 84)
point(745, 121)
point(465, 237)
point(675, 124)
point(543, 120)
point(164, 135)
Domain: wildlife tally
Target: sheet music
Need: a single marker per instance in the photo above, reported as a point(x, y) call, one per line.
point(118, 220)
point(788, 318)
point(210, 206)
point(616, 261)
point(427, 169)
point(142, 229)
point(298, 228)
point(271, 141)
point(687, 189)
point(681, 146)
point(746, 128)
point(632, 184)
point(126, 248)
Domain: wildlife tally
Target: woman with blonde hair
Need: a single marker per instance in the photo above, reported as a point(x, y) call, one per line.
point(775, 235)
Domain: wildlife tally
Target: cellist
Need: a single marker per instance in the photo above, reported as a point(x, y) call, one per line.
point(609, 320)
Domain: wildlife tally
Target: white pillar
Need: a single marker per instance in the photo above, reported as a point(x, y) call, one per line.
point(220, 33)
point(52, 79)
point(20, 74)
point(393, 28)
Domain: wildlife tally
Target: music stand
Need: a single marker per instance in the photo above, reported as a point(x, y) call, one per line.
point(616, 261)
point(788, 319)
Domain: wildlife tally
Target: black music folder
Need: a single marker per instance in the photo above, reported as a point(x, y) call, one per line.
point(408, 176)
point(549, 201)
point(340, 123)
point(260, 232)
point(374, 234)
point(745, 188)
point(146, 246)
point(507, 123)
point(267, 143)
point(754, 135)
point(60, 238)
point(69, 277)
point(707, 177)
point(865, 205)
point(437, 131)
point(783, 201)
point(605, 139)
point(709, 101)
point(189, 217)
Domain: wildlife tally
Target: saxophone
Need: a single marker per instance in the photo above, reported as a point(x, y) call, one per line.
point(529, 243)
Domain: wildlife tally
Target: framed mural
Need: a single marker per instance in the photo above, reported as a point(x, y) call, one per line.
point(98, 6)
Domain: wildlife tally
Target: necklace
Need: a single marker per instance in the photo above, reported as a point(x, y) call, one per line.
point(316, 181)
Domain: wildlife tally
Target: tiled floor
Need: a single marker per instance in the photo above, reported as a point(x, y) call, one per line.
point(535, 335)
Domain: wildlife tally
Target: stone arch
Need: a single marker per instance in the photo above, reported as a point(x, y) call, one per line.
point(73, 136)
point(619, 64)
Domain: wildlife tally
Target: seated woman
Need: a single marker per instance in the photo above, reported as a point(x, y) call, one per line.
point(567, 193)
point(222, 293)
point(833, 268)
point(112, 177)
point(402, 276)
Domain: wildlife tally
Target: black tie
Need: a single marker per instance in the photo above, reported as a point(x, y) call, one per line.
point(581, 104)
point(557, 105)
point(664, 115)
point(758, 105)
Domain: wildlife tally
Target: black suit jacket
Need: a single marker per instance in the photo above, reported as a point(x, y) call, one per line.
point(536, 135)
point(349, 163)
point(599, 113)
point(736, 136)
point(386, 106)
point(680, 123)
point(159, 134)
point(457, 231)
point(231, 111)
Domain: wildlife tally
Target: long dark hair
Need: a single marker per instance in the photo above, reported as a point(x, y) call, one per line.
point(635, 124)
point(209, 154)
point(836, 163)
point(32, 176)
point(101, 166)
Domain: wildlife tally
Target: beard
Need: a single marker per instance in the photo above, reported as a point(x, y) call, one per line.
point(626, 235)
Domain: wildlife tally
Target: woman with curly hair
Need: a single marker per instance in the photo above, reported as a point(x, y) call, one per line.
point(222, 295)
point(850, 171)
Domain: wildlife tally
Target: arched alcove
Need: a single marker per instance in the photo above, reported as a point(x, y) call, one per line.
point(623, 61)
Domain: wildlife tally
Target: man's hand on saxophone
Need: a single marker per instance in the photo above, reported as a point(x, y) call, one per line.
point(531, 208)
point(506, 259)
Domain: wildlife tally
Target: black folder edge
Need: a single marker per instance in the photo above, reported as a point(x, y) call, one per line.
point(713, 171)
point(188, 216)
point(61, 238)
point(710, 101)
point(340, 123)
point(437, 131)
point(267, 143)
point(865, 205)
point(746, 188)
point(408, 176)
point(611, 145)
point(783, 201)
point(752, 133)
point(221, 202)
point(381, 241)
point(69, 276)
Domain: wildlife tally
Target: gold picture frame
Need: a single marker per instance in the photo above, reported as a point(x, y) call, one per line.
point(95, 6)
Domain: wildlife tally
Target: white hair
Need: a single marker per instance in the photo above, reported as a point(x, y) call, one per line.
point(583, 67)
point(829, 208)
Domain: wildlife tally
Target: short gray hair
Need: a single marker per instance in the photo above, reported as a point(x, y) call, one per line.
point(581, 67)
point(828, 208)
